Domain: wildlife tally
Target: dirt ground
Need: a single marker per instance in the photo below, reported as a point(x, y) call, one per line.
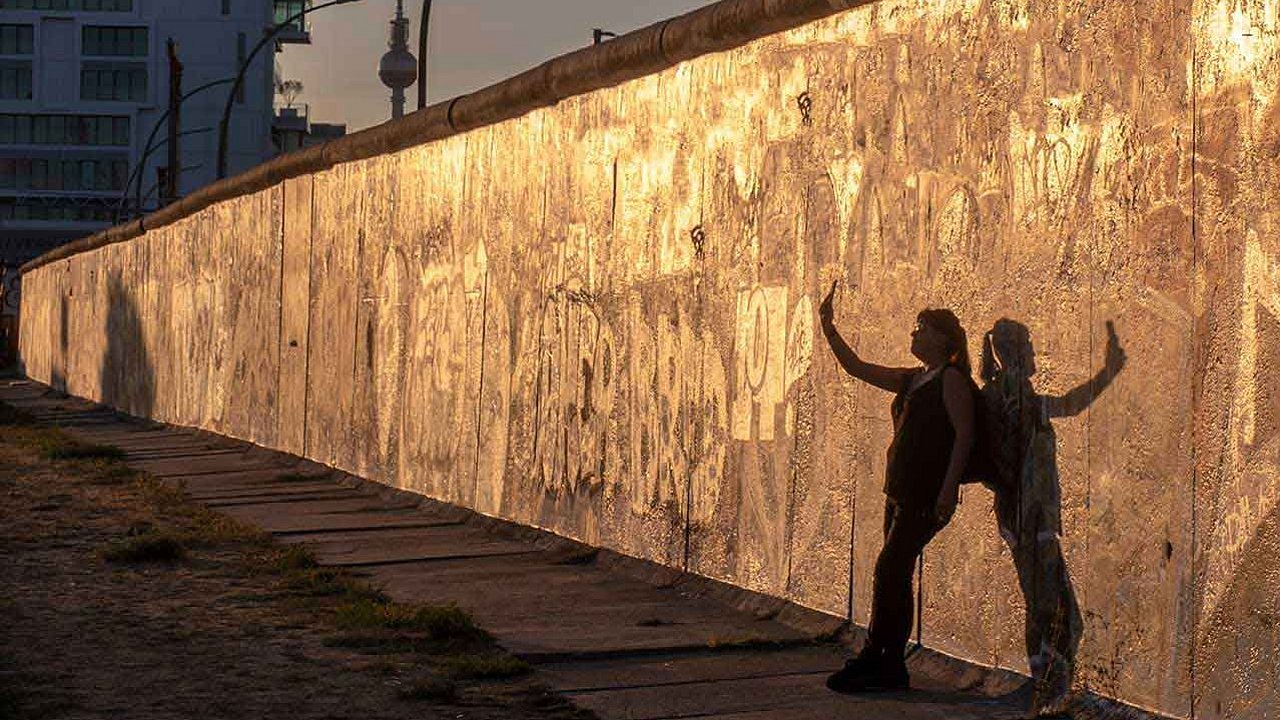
point(233, 628)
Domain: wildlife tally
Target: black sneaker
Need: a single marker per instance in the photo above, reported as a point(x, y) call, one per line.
point(845, 679)
point(888, 676)
point(869, 674)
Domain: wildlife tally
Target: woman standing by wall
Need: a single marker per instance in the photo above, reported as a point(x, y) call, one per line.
point(933, 433)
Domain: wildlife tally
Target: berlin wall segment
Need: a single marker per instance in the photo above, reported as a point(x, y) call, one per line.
point(598, 318)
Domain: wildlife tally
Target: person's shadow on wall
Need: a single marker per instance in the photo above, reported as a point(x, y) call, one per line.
point(1029, 498)
point(127, 377)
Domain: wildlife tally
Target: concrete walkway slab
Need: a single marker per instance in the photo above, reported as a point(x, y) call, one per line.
point(397, 546)
point(269, 497)
point(148, 441)
point(172, 453)
point(211, 494)
point(248, 480)
point(282, 519)
point(709, 665)
point(189, 466)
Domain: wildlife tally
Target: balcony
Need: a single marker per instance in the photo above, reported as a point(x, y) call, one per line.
point(289, 127)
point(297, 32)
point(292, 129)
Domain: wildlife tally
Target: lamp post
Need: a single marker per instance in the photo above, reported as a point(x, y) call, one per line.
point(225, 124)
point(170, 192)
point(157, 184)
point(137, 171)
point(422, 53)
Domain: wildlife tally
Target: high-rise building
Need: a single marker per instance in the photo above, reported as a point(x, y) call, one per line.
point(84, 82)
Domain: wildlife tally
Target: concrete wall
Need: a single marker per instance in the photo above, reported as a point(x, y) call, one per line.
point(600, 318)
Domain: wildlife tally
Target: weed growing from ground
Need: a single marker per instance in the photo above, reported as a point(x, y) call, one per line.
point(441, 623)
point(148, 547)
point(494, 666)
point(107, 472)
point(203, 526)
point(431, 688)
point(377, 643)
point(317, 581)
point(57, 446)
point(293, 558)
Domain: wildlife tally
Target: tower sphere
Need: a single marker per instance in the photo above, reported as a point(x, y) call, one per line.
point(398, 69)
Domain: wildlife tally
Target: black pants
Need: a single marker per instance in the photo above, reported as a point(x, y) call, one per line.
point(906, 531)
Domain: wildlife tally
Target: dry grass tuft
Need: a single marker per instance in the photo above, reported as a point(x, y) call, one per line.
point(153, 546)
point(493, 666)
point(315, 581)
point(55, 445)
point(435, 622)
point(202, 526)
point(292, 559)
point(431, 688)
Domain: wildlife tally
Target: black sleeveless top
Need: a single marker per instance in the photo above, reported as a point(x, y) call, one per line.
point(921, 447)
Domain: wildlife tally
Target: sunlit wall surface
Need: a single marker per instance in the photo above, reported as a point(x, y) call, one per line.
point(600, 319)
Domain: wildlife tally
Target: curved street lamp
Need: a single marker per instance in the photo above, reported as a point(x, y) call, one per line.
point(137, 174)
point(148, 149)
point(235, 88)
point(156, 185)
point(422, 53)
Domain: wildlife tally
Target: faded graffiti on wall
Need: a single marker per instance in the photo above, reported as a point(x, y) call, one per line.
point(773, 349)
point(445, 315)
point(623, 396)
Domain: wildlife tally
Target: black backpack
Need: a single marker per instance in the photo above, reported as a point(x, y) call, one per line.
point(983, 467)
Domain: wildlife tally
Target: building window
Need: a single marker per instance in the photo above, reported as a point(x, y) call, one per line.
point(286, 9)
point(61, 174)
point(100, 130)
point(86, 5)
point(15, 80)
point(113, 81)
point(17, 39)
point(57, 209)
point(101, 40)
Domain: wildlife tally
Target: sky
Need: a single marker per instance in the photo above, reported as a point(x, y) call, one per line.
point(472, 43)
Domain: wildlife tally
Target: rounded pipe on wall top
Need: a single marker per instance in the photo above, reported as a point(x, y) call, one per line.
point(502, 101)
point(609, 63)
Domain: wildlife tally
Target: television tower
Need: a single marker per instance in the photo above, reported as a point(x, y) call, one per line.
point(399, 68)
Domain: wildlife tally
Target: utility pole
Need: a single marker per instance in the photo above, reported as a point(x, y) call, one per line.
point(169, 188)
